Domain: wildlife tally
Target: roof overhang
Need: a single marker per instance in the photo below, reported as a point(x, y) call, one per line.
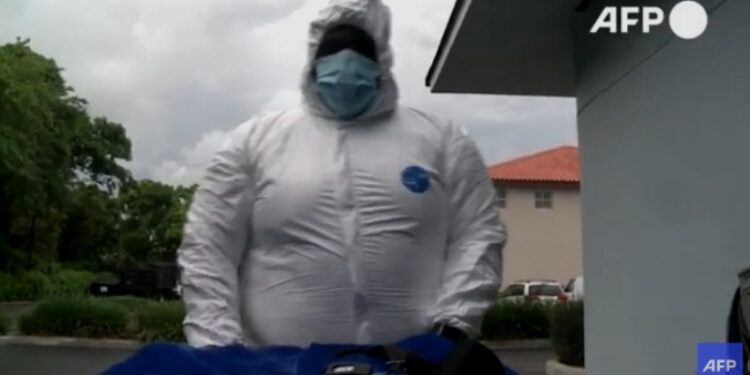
point(506, 47)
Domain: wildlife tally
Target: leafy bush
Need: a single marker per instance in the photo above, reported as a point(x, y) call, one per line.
point(4, 325)
point(161, 321)
point(35, 285)
point(69, 283)
point(7, 289)
point(508, 320)
point(566, 329)
point(76, 317)
point(28, 286)
point(129, 303)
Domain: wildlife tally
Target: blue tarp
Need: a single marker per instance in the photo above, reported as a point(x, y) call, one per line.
point(173, 359)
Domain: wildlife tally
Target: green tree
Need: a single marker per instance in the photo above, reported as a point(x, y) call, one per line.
point(98, 148)
point(91, 228)
point(92, 217)
point(153, 215)
point(49, 147)
point(34, 150)
point(64, 194)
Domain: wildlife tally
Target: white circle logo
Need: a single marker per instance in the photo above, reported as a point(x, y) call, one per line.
point(688, 19)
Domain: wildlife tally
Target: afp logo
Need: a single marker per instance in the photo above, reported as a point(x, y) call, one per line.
point(720, 359)
point(688, 19)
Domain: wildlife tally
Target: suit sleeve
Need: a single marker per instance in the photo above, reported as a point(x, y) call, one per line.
point(473, 265)
point(214, 241)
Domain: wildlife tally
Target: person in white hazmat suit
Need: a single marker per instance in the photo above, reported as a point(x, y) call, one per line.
point(351, 219)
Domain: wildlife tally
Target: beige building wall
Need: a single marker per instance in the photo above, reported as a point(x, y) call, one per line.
point(543, 243)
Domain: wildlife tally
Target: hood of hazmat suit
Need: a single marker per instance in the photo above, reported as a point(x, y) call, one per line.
point(307, 228)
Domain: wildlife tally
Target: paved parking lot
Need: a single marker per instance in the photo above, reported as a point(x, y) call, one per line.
point(41, 360)
point(527, 362)
point(14, 311)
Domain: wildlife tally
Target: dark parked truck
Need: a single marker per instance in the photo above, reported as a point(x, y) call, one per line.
point(155, 280)
point(108, 285)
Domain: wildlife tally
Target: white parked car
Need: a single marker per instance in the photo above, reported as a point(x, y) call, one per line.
point(534, 290)
point(574, 289)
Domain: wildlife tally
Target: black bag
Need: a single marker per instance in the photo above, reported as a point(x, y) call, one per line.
point(468, 357)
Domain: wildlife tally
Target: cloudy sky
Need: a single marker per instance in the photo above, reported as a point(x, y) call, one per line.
point(179, 74)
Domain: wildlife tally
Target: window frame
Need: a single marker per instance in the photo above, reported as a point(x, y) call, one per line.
point(544, 199)
point(502, 198)
point(543, 289)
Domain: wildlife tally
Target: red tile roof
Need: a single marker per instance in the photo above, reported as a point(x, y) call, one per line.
point(556, 165)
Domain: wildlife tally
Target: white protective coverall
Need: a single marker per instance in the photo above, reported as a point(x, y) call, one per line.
point(305, 228)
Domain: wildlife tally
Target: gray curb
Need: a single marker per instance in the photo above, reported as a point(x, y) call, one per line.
point(70, 342)
point(542, 344)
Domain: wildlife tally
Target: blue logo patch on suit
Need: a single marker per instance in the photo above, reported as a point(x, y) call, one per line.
point(416, 179)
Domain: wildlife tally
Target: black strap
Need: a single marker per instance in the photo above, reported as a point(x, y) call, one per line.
point(398, 360)
point(470, 357)
point(737, 330)
point(734, 330)
point(744, 332)
point(451, 333)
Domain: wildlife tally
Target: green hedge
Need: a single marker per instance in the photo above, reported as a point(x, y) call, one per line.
point(4, 324)
point(35, 285)
point(115, 317)
point(566, 330)
point(129, 303)
point(76, 317)
point(69, 283)
point(29, 286)
point(508, 320)
point(161, 321)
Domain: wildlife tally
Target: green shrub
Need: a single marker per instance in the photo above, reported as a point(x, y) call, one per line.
point(508, 320)
point(6, 282)
point(76, 317)
point(28, 286)
point(129, 303)
point(566, 330)
point(69, 283)
point(4, 325)
point(161, 321)
point(35, 285)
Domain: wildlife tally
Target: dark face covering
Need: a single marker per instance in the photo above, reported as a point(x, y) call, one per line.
point(342, 37)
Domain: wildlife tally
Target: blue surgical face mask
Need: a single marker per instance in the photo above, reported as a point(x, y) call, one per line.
point(347, 82)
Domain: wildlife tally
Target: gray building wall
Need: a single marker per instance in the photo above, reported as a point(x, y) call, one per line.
point(666, 223)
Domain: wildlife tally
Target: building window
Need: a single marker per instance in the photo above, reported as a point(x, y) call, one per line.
point(543, 199)
point(502, 199)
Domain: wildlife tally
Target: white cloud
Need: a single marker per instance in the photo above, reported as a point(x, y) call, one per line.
point(193, 160)
point(172, 172)
point(178, 74)
point(205, 149)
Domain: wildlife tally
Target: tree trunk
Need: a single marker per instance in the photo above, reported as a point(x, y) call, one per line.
point(4, 233)
point(31, 243)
